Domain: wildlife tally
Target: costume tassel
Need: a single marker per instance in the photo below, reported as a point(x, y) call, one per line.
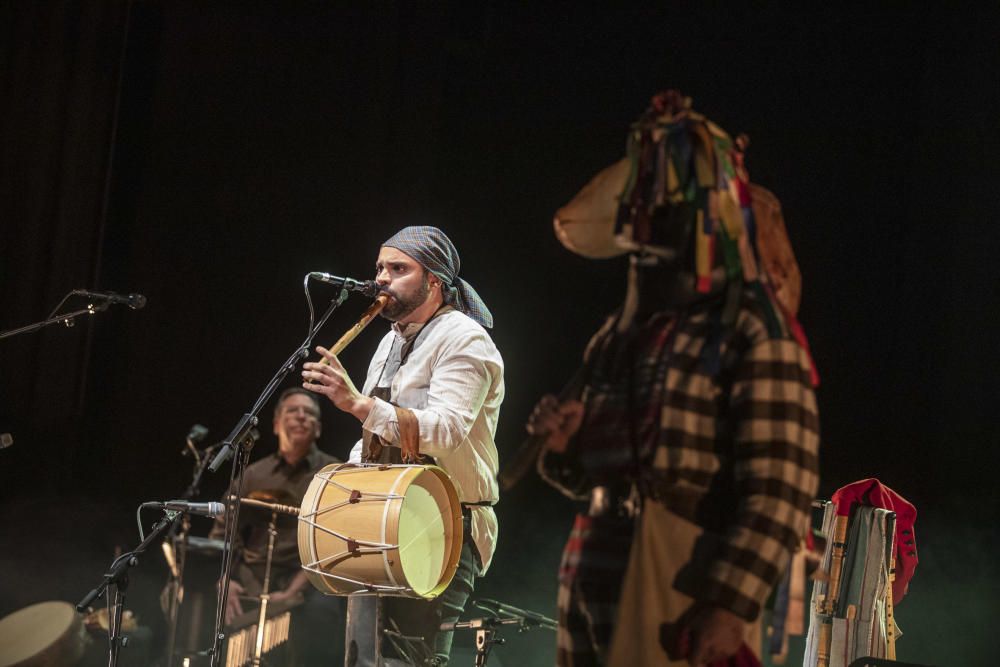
point(704, 251)
point(704, 162)
point(659, 182)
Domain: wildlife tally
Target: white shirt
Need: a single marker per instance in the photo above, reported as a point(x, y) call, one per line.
point(453, 383)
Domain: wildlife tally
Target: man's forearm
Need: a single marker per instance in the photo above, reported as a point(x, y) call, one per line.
point(361, 407)
point(298, 583)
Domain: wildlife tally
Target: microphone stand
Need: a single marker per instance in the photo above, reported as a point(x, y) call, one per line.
point(486, 634)
point(487, 628)
point(175, 547)
point(118, 576)
point(240, 442)
point(65, 318)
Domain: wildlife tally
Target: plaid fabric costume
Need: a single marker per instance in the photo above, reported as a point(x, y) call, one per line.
point(733, 449)
point(704, 409)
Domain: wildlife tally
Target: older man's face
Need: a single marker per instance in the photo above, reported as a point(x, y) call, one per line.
point(404, 279)
point(297, 425)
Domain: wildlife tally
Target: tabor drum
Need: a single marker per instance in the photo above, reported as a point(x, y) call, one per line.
point(386, 529)
point(42, 635)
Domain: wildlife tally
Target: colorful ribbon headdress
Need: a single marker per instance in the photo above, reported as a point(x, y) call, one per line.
point(679, 158)
point(679, 162)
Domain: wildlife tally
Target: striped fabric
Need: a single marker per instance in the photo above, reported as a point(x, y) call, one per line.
point(747, 444)
point(590, 579)
point(625, 365)
point(734, 451)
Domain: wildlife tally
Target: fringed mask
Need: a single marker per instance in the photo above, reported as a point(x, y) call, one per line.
point(682, 195)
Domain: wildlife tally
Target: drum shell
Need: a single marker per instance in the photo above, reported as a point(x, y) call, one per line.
point(372, 520)
point(46, 634)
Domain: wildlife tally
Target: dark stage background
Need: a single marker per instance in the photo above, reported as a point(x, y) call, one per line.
point(208, 155)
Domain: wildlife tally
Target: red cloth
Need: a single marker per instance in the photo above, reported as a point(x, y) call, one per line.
point(876, 494)
point(743, 658)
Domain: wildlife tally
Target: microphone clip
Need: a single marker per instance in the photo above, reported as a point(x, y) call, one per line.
point(367, 287)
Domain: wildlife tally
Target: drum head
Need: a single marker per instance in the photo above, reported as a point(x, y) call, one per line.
point(424, 537)
point(47, 633)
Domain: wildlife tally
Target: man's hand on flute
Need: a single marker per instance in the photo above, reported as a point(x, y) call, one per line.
point(331, 379)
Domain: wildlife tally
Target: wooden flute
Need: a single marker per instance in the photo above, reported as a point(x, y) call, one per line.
point(359, 326)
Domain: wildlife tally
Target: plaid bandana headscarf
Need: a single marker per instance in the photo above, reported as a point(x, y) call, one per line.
point(436, 253)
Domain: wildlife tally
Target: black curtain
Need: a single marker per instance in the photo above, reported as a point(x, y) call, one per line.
point(60, 79)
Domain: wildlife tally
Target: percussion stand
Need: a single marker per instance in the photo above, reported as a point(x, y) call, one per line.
point(239, 442)
point(265, 591)
point(176, 544)
point(175, 550)
point(118, 576)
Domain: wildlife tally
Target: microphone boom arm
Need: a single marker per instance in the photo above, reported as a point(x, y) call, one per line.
point(65, 318)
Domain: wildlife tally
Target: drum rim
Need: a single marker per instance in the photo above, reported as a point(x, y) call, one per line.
point(458, 535)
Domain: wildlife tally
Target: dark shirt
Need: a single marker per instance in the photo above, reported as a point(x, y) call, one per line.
point(273, 473)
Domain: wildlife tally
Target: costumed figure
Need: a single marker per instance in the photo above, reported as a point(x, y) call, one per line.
point(694, 436)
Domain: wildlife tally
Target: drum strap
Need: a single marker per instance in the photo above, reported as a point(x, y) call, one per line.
point(374, 450)
point(409, 434)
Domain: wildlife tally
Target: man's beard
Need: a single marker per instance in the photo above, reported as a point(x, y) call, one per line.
point(404, 304)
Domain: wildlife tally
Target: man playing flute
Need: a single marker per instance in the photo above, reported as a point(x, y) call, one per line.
point(438, 369)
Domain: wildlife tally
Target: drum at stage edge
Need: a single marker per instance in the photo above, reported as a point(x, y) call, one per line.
point(386, 529)
point(42, 635)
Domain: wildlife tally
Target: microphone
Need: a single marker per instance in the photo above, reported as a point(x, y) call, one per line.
point(194, 437)
point(495, 607)
point(197, 434)
point(212, 510)
point(133, 301)
point(366, 287)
